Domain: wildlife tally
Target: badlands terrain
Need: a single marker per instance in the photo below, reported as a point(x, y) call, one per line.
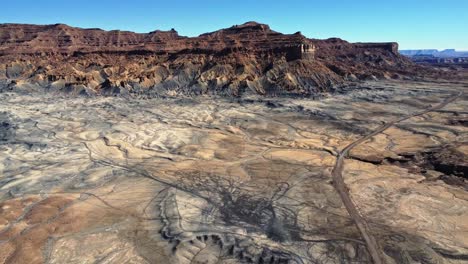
point(235, 180)
point(230, 61)
point(243, 145)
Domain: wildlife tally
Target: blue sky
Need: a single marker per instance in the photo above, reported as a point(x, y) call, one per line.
point(413, 23)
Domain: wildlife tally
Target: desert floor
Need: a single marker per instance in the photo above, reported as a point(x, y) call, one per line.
point(222, 180)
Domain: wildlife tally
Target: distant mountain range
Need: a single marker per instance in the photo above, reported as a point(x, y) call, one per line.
point(448, 53)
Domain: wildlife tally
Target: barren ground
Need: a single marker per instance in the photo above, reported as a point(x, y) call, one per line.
point(219, 180)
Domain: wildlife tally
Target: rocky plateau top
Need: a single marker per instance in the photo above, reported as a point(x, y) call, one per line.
point(243, 58)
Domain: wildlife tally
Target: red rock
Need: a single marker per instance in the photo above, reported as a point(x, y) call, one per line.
point(228, 61)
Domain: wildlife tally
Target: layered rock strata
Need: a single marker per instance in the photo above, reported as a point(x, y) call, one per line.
point(244, 58)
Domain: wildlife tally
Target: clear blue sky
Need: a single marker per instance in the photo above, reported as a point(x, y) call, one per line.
point(413, 23)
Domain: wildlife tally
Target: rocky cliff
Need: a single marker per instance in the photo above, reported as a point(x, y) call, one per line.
point(248, 57)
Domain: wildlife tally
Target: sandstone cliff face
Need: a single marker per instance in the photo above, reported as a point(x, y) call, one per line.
point(63, 39)
point(365, 60)
point(231, 61)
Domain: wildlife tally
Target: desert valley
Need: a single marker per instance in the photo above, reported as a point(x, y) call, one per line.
point(243, 145)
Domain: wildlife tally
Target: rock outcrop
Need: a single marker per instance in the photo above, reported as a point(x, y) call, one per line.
point(231, 61)
point(66, 40)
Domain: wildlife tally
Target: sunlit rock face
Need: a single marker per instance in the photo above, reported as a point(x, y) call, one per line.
point(244, 59)
point(223, 180)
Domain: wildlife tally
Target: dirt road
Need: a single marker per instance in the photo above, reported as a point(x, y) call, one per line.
point(342, 189)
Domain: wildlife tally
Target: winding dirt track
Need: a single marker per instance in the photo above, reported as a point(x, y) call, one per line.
point(342, 189)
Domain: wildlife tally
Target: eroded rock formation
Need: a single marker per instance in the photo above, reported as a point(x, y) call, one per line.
point(247, 57)
point(216, 180)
